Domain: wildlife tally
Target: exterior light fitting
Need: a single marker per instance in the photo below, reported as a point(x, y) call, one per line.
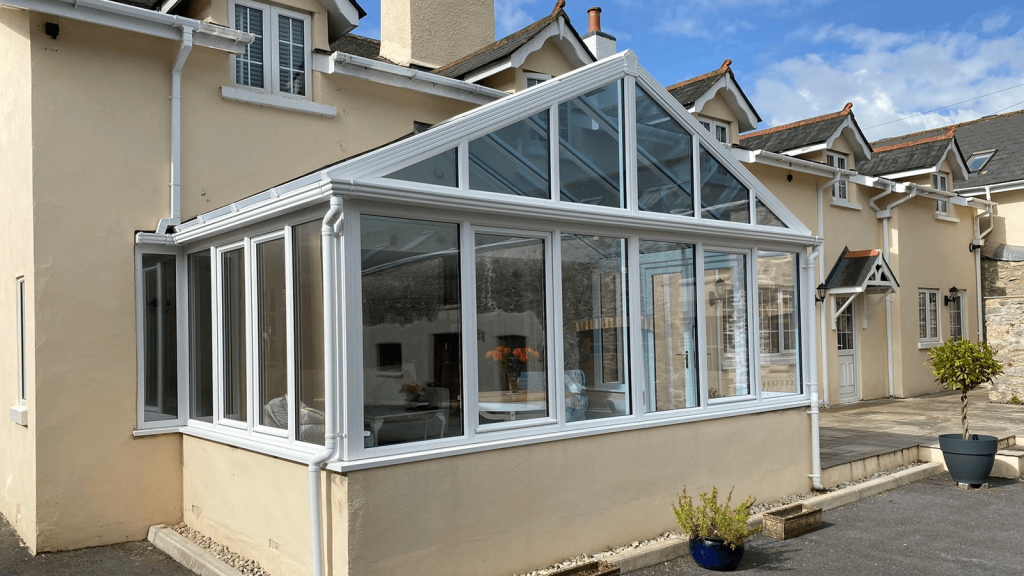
point(820, 292)
point(954, 293)
point(718, 295)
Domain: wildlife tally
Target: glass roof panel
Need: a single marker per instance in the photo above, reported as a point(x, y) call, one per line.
point(440, 170)
point(765, 216)
point(723, 197)
point(664, 159)
point(590, 156)
point(513, 159)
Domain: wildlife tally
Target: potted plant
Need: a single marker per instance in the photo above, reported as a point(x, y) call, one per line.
point(716, 531)
point(962, 365)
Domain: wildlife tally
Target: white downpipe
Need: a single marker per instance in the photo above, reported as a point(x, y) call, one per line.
point(888, 295)
point(812, 362)
point(823, 333)
point(179, 63)
point(979, 241)
point(330, 238)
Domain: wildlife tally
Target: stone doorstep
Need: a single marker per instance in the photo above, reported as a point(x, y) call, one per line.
point(635, 559)
point(188, 553)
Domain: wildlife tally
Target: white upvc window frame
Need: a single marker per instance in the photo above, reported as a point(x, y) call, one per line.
point(716, 129)
point(181, 345)
point(534, 77)
point(753, 327)
point(272, 48)
point(985, 156)
point(22, 371)
point(941, 182)
point(931, 313)
point(840, 189)
point(961, 317)
point(255, 403)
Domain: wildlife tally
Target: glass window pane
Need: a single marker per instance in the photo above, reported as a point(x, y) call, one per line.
point(512, 328)
point(669, 325)
point(200, 330)
point(664, 159)
point(160, 337)
point(309, 332)
point(725, 283)
point(594, 327)
point(779, 321)
point(441, 170)
point(765, 216)
point(272, 344)
point(721, 194)
point(590, 155)
point(412, 330)
point(233, 328)
point(249, 64)
point(291, 55)
point(513, 160)
point(22, 376)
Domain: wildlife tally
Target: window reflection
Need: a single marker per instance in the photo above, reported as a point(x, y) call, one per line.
point(722, 196)
point(778, 323)
point(160, 332)
point(233, 328)
point(200, 336)
point(594, 327)
point(513, 159)
point(725, 283)
point(272, 338)
point(441, 170)
point(309, 332)
point(590, 156)
point(412, 330)
point(669, 325)
point(511, 328)
point(664, 160)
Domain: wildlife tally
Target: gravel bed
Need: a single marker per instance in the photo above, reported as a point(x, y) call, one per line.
point(223, 553)
point(756, 509)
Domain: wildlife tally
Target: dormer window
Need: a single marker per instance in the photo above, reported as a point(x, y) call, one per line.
point(718, 129)
point(939, 182)
point(978, 160)
point(533, 78)
point(277, 61)
point(839, 191)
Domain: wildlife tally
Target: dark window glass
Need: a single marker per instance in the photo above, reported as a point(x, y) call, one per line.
point(160, 332)
point(200, 330)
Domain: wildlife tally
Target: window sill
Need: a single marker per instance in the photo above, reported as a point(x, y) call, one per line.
point(19, 415)
point(928, 345)
point(156, 431)
point(845, 204)
point(261, 99)
point(945, 218)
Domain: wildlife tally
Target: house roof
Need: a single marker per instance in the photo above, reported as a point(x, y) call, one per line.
point(1005, 135)
point(358, 46)
point(166, 6)
point(860, 271)
point(820, 130)
point(918, 151)
point(690, 92)
point(508, 45)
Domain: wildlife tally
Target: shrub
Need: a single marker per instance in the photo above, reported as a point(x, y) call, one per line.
point(713, 520)
point(963, 365)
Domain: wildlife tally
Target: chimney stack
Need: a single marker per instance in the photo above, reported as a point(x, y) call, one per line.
point(600, 43)
point(432, 33)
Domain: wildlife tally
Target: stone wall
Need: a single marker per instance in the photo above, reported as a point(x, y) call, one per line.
point(1002, 285)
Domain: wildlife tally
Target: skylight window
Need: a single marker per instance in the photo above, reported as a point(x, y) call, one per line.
point(978, 160)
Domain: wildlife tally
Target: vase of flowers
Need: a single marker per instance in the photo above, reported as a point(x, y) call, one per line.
point(513, 361)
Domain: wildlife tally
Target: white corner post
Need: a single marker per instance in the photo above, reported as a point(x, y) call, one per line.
point(179, 63)
point(812, 372)
point(330, 237)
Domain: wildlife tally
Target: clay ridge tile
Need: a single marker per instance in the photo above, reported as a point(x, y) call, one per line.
point(947, 135)
point(721, 70)
point(861, 253)
point(845, 111)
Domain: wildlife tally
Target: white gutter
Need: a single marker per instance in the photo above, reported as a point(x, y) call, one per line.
point(812, 361)
point(888, 295)
point(823, 340)
point(991, 189)
point(402, 77)
point(331, 238)
point(179, 63)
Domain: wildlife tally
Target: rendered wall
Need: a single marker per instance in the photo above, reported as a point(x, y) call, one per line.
point(718, 109)
point(1008, 216)
point(101, 128)
point(434, 32)
point(17, 443)
point(513, 510)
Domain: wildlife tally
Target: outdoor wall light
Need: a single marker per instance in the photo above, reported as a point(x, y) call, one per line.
point(718, 296)
point(954, 293)
point(820, 292)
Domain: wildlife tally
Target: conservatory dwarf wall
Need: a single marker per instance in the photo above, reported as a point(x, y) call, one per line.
point(576, 259)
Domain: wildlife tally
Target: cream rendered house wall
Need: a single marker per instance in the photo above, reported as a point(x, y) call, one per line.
point(17, 462)
point(101, 130)
point(433, 33)
point(717, 109)
point(1010, 210)
point(548, 59)
point(477, 514)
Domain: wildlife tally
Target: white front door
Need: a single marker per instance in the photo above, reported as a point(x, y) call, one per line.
point(846, 339)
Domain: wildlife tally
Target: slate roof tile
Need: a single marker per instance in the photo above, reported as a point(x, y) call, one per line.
point(797, 134)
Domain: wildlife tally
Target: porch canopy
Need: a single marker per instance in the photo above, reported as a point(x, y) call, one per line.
point(577, 258)
point(860, 272)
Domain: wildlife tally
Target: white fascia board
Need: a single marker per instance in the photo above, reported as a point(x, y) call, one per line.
point(958, 162)
point(483, 120)
point(911, 173)
point(858, 140)
point(490, 70)
point(342, 17)
point(992, 188)
point(402, 77)
point(577, 54)
point(805, 149)
point(140, 20)
point(744, 114)
point(152, 239)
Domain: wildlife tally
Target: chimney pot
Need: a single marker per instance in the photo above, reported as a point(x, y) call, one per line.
point(595, 19)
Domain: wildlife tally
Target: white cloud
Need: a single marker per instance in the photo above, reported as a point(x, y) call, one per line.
point(511, 15)
point(889, 76)
point(994, 23)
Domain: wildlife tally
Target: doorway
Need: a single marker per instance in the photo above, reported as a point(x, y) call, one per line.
point(846, 341)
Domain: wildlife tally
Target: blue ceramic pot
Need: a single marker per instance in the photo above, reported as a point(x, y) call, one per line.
point(715, 554)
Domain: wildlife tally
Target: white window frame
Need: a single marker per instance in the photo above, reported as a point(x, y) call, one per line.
point(713, 126)
point(255, 405)
point(960, 301)
point(272, 48)
point(537, 77)
point(22, 379)
point(986, 154)
point(929, 340)
point(941, 182)
point(840, 190)
point(753, 328)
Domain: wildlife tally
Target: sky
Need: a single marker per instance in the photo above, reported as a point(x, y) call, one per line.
point(936, 62)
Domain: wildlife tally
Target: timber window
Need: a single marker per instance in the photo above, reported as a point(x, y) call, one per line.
point(277, 61)
point(928, 316)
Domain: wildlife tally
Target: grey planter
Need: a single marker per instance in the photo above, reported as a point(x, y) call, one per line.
point(969, 461)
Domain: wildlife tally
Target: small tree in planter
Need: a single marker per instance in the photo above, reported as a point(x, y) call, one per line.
point(962, 365)
point(716, 531)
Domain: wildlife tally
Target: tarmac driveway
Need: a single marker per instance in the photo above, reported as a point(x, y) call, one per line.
point(131, 559)
point(929, 527)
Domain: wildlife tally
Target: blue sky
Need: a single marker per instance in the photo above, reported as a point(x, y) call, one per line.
point(802, 58)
